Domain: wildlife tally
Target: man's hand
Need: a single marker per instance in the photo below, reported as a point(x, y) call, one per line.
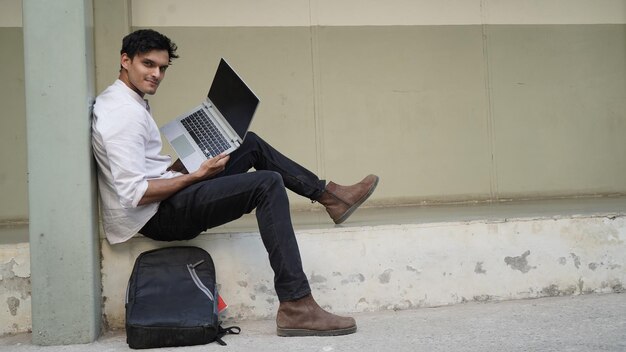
point(160, 189)
point(211, 167)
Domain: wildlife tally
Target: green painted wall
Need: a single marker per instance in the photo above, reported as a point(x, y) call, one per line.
point(559, 108)
point(13, 169)
point(441, 112)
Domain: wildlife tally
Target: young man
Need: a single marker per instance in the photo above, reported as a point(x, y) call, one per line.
point(141, 192)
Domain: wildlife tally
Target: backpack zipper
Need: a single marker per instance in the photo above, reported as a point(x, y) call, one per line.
point(197, 281)
point(127, 292)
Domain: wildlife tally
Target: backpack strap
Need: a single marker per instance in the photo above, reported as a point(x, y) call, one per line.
point(221, 332)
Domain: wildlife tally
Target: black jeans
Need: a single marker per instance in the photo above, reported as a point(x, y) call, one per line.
point(235, 192)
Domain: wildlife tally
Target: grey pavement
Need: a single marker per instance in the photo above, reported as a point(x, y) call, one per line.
point(574, 323)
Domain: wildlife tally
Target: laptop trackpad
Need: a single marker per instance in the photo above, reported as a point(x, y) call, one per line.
point(182, 146)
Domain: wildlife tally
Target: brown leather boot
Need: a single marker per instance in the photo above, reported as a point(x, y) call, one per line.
point(342, 201)
point(304, 317)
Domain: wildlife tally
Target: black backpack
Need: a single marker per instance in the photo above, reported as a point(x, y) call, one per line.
point(171, 300)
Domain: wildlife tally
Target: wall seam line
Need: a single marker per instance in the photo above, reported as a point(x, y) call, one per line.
point(317, 99)
point(493, 170)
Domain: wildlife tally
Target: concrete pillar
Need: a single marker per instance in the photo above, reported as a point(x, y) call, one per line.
point(65, 256)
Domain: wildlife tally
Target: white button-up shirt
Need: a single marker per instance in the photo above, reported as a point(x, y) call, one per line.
point(127, 146)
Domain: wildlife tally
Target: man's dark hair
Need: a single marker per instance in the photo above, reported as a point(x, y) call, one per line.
point(145, 40)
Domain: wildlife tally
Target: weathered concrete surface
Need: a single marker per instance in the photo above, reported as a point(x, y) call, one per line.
point(392, 267)
point(15, 288)
point(574, 324)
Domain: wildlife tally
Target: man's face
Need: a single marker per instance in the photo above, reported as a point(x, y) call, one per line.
point(145, 71)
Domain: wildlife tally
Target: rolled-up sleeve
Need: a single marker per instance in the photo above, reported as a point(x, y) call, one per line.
point(124, 140)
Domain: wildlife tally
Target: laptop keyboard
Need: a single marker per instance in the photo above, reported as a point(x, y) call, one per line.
point(205, 133)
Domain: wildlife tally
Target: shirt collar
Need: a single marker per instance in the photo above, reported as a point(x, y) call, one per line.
point(132, 93)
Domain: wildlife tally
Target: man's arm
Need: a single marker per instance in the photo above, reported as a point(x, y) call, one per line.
point(161, 189)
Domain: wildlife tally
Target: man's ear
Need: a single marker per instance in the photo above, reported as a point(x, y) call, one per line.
point(125, 61)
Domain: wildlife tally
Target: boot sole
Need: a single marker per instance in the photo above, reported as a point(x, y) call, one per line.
point(354, 207)
point(306, 332)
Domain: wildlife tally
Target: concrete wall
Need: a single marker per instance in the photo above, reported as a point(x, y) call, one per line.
point(447, 101)
point(13, 186)
point(15, 288)
point(407, 266)
point(15, 285)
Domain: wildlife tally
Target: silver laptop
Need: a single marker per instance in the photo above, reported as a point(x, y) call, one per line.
point(218, 125)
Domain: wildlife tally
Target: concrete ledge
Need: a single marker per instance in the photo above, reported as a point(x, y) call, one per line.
point(382, 259)
point(366, 267)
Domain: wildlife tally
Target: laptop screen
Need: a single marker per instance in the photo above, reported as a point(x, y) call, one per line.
point(233, 98)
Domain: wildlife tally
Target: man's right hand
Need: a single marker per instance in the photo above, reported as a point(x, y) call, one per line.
point(211, 167)
point(160, 189)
